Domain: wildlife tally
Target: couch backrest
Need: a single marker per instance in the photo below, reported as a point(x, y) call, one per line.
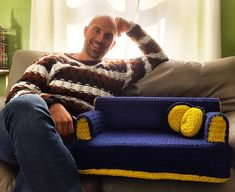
point(177, 78)
point(145, 112)
point(20, 61)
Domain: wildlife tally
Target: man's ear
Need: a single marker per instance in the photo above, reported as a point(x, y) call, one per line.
point(85, 30)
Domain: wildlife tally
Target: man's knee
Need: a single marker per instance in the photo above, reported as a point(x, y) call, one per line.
point(25, 108)
point(26, 103)
point(26, 114)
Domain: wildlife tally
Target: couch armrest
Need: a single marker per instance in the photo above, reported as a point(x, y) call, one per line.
point(20, 61)
point(231, 118)
point(2, 102)
point(216, 127)
point(89, 124)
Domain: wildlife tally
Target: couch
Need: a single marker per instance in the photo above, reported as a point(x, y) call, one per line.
point(173, 138)
point(174, 78)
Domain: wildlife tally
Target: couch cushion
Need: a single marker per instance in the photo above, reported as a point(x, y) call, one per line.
point(218, 80)
point(173, 78)
point(2, 102)
point(190, 79)
point(153, 155)
point(20, 61)
point(7, 177)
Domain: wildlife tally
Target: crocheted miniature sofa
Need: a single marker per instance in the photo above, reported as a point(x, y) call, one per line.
point(154, 138)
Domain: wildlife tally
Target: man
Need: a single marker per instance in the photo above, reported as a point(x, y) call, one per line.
point(39, 111)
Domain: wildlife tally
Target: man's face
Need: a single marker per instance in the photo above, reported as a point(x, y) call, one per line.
point(99, 38)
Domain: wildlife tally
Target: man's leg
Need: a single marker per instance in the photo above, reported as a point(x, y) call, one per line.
point(22, 184)
point(45, 161)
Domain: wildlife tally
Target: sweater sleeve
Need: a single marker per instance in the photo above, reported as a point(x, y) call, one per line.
point(35, 80)
point(153, 55)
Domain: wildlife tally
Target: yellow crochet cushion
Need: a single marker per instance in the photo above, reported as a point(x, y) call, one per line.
point(185, 119)
point(191, 122)
point(175, 115)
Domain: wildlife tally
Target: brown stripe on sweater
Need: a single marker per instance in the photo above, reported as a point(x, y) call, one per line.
point(35, 79)
point(137, 68)
point(157, 61)
point(49, 60)
point(71, 93)
point(15, 90)
point(75, 107)
point(115, 65)
point(136, 33)
point(150, 47)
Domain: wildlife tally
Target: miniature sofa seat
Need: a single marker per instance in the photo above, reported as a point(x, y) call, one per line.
point(131, 137)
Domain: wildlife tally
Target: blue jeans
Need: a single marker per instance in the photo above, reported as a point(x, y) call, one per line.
point(28, 138)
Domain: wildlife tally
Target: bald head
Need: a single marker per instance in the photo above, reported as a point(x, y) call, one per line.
point(106, 20)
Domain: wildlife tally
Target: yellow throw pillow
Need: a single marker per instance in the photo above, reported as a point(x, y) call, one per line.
point(192, 121)
point(175, 116)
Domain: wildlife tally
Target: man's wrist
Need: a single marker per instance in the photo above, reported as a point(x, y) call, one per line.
point(135, 32)
point(52, 100)
point(132, 25)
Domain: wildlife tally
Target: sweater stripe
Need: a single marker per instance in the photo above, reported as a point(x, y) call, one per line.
point(129, 74)
point(79, 88)
point(89, 98)
point(35, 68)
point(147, 65)
point(144, 40)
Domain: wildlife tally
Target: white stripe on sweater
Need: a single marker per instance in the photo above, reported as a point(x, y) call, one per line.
point(161, 55)
point(29, 88)
point(79, 88)
point(35, 68)
point(129, 74)
point(20, 93)
point(58, 66)
point(26, 85)
point(147, 65)
point(144, 40)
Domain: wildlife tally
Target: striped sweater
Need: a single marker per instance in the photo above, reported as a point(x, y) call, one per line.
point(77, 83)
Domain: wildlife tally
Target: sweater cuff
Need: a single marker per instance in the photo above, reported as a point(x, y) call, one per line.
point(135, 32)
point(52, 100)
point(131, 27)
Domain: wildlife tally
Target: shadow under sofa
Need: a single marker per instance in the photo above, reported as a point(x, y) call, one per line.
point(174, 78)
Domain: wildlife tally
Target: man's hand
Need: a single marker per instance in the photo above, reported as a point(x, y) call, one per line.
point(62, 119)
point(122, 25)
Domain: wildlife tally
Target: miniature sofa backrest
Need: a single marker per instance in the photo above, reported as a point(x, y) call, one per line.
point(147, 113)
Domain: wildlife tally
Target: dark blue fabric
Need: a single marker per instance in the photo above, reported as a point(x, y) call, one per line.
point(136, 136)
point(145, 112)
point(153, 152)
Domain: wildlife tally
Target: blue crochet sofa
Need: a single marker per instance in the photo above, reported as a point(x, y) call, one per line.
point(132, 137)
